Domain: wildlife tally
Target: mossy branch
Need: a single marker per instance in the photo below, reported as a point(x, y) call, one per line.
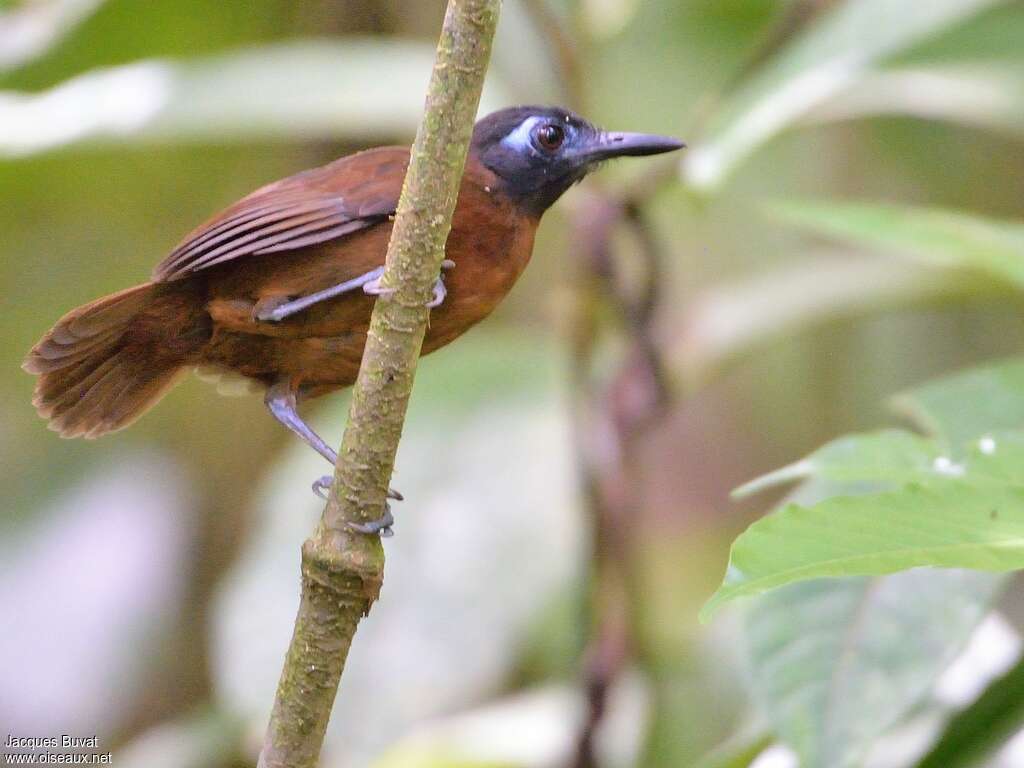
point(342, 570)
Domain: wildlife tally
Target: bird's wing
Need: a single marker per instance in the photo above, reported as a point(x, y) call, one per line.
point(306, 209)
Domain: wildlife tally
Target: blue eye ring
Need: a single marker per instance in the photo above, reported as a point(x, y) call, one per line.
point(549, 136)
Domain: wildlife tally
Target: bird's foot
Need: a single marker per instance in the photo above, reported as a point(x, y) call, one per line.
point(374, 288)
point(382, 527)
point(440, 292)
point(323, 484)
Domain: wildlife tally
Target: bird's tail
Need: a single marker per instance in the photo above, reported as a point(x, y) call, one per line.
point(106, 363)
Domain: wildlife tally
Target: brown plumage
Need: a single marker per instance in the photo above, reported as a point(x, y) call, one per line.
point(104, 364)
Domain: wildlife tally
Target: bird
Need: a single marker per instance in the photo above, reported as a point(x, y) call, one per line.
point(278, 288)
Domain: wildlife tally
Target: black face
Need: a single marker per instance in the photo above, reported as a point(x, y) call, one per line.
point(539, 152)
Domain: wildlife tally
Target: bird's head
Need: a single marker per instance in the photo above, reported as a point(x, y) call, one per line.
point(539, 152)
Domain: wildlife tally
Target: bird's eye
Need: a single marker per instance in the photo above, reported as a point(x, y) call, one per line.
point(550, 136)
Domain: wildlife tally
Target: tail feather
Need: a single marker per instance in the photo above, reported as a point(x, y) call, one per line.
point(56, 394)
point(63, 350)
point(97, 371)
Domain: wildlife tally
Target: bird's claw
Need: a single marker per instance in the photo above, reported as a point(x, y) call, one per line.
point(440, 292)
point(323, 484)
point(373, 287)
point(381, 527)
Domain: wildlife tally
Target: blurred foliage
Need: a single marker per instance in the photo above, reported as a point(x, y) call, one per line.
point(974, 733)
point(831, 55)
point(786, 325)
point(837, 662)
point(946, 239)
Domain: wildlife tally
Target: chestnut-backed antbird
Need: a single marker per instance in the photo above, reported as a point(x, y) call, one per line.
point(279, 286)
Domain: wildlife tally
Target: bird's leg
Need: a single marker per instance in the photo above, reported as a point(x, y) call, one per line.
point(288, 308)
point(373, 288)
point(282, 403)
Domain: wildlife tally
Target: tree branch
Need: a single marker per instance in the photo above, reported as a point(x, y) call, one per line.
point(342, 570)
point(609, 418)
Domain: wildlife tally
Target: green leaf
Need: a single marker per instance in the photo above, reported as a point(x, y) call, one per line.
point(884, 460)
point(887, 457)
point(967, 522)
point(956, 501)
point(947, 239)
point(835, 663)
point(966, 405)
point(830, 57)
point(311, 89)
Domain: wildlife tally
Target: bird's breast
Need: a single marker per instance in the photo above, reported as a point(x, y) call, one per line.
point(490, 243)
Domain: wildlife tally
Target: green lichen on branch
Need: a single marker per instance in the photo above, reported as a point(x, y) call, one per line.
point(342, 571)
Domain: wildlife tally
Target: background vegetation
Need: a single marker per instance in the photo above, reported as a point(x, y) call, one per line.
point(843, 236)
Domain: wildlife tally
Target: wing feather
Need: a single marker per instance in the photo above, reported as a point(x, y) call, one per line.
point(307, 209)
point(318, 236)
point(233, 225)
point(241, 241)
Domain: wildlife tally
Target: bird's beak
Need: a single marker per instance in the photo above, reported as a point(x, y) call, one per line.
point(608, 144)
